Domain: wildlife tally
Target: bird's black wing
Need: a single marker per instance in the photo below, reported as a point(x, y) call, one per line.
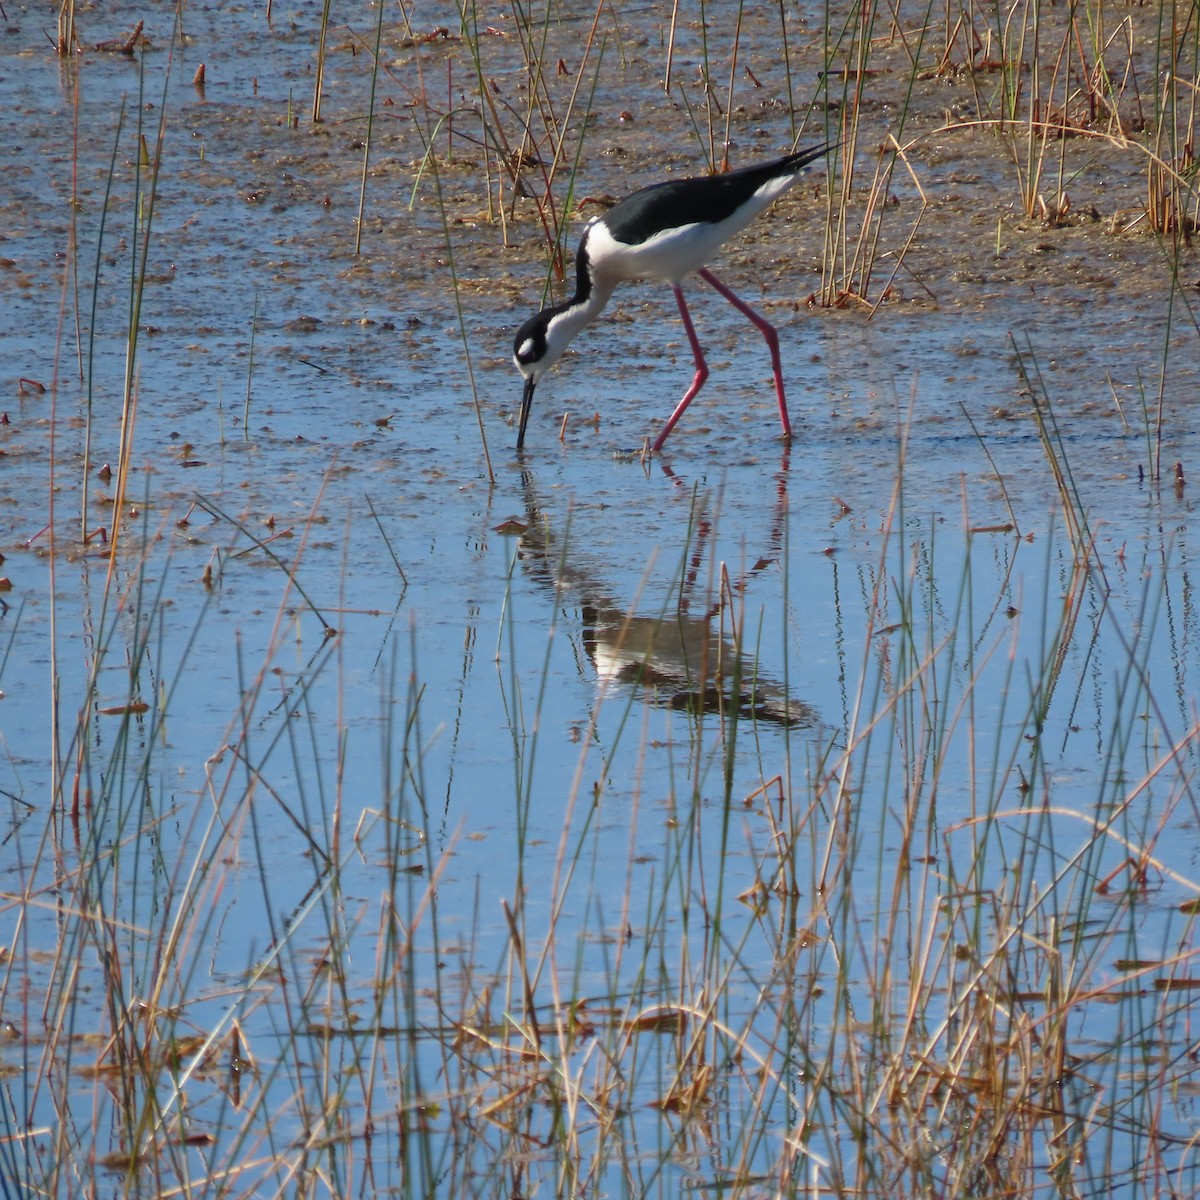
point(696, 200)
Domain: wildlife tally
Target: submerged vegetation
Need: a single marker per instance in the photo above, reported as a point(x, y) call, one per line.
point(820, 824)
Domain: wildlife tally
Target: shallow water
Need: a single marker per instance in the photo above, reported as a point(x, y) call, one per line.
point(352, 647)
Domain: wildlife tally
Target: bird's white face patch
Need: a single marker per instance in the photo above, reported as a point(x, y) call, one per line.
point(525, 349)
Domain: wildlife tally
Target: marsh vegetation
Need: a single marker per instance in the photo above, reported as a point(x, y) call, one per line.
point(385, 815)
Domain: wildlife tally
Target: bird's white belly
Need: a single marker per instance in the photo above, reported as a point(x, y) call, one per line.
point(669, 255)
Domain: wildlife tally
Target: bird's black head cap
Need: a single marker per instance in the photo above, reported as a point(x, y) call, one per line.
point(529, 346)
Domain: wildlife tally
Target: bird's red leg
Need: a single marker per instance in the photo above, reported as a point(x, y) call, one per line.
point(767, 330)
point(697, 382)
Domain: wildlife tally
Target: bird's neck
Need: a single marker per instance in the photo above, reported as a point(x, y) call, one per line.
point(584, 307)
point(591, 295)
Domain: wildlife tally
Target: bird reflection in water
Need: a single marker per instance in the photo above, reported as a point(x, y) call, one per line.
point(691, 657)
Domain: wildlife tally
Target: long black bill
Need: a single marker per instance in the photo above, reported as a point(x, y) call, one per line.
point(526, 405)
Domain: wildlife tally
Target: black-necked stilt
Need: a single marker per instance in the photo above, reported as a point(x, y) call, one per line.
point(665, 232)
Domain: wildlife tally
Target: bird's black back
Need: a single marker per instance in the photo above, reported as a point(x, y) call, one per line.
point(697, 200)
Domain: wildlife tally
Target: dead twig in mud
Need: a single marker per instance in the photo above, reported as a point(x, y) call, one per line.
point(124, 46)
point(66, 42)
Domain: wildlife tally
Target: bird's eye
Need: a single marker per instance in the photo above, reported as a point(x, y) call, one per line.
point(527, 351)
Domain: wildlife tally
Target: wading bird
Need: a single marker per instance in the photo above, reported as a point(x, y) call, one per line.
point(662, 232)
